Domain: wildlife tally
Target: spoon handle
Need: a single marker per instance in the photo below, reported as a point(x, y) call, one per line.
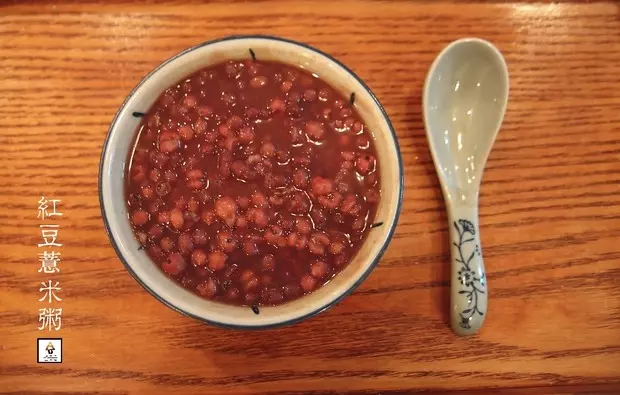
point(468, 282)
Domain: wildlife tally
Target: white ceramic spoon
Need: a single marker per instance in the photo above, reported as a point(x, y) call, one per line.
point(464, 101)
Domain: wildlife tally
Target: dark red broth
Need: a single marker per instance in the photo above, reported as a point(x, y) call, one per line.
point(252, 182)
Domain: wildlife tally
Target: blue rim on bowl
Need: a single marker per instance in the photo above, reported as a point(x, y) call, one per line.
point(316, 311)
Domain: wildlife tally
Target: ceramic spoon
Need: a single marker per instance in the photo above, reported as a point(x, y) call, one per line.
point(464, 101)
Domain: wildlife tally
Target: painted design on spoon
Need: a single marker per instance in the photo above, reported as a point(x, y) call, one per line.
point(471, 286)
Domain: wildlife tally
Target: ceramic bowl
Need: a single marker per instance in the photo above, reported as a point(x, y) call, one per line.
point(121, 137)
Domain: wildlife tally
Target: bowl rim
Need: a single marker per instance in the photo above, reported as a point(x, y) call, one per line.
point(320, 309)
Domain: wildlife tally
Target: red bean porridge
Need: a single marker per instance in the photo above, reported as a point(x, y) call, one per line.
point(252, 183)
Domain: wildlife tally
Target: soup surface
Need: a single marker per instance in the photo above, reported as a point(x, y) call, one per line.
point(252, 182)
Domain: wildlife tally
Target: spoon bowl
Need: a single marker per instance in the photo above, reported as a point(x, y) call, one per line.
point(464, 102)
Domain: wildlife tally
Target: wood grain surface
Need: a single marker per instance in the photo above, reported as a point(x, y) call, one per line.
point(550, 206)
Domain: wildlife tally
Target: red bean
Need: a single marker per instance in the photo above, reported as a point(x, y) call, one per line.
point(195, 179)
point(271, 296)
point(139, 217)
point(251, 297)
point(253, 68)
point(340, 260)
point(176, 218)
point(258, 217)
point(231, 69)
point(358, 224)
point(200, 126)
point(243, 202)
point(330, 201)
point(336, 247)
point(348, 155)
point(168, 142)
point(166, 243)
point(186, 133)
point(208, 217)
point(277, 105)
point(246, 134)
point(138, 173)
point(190, 218)
point(217, 261)
point(229, 99)
point(154, 175)
point(365, 164)
point(319, 217)
point(241, 223)
point(298, 203)
point(193, 205)
point(155, 232)
point(226, 242)
point(276, 200)
point(268, 150)
point(200, 237)
point(170, 175)
point(154, 121)
point(292, 239)
point(273, 234)
point(156, 252)
point(259, 199)
point(350, 205)
point(321, 186)
point(226, 210)
point(234, 122)
point(199, 257)
point(317, 243)
point(232, 294)
point(345, 113)
point(291, 290)
point(309, 95)
point(147, 191)
point(175, 265)
point(343, 187)
point(297, 136)
point(258, 81)
point(314, 130)
point(327, 113)
point(301, 178)
point(319, 269)
point(286, 86)
point(155, 206)
point(282, 156)
point(247, 275)
point(224, 130)
point(208, 288)
point(273, 181)
point(250, 247)
point(303, 226)
point(211, 137)
point(358, 128)
point(163, 188)
point(224, 163)
point(251, 113)
point(308, 283)
point(372, 196)
point(324, 94)
point(371, 179)
point(185, 243)
point(301, 243)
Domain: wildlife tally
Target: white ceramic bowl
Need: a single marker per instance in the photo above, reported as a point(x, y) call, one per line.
point(121, 137)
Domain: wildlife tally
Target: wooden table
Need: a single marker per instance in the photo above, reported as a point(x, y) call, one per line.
point(550, 207)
